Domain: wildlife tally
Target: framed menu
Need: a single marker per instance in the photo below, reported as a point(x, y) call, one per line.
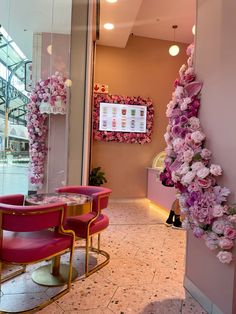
point(122, 118)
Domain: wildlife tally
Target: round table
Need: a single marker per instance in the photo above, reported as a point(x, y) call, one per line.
point(56, 274)
point(77, 204)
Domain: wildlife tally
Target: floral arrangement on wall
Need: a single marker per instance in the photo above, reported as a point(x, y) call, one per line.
point(188, 167)
point(49, 91)
point(122, 137)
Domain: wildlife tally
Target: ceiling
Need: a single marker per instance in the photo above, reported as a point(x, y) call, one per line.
point(22, 18)
point(148, 18)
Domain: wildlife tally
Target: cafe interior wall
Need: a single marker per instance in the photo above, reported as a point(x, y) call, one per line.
point(143, 68)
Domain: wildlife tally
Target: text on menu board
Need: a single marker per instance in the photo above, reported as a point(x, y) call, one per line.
point(122, 118)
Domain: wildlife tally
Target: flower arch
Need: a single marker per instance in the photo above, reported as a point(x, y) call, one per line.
point(48, 96)
point(188, 167)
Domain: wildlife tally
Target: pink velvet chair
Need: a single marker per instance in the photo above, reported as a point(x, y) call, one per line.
point(87, 225)
point(30, 234)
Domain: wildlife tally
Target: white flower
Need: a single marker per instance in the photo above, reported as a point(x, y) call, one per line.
point(188, 178)
point(197, 166)
point(169, 112)
point(184, 103)
point(167, 137)
point(198, 136)
point(183, 169)
point(178, 93)
point(216, 170)
point(171, 104)
point(194, 123)
point(203, 172)
point(224, 257)
point(174, 176)
point(182, 70)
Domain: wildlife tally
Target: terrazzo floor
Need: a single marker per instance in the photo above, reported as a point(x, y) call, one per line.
point(144, 276)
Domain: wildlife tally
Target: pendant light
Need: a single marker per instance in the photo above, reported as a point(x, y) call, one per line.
point(174, 49)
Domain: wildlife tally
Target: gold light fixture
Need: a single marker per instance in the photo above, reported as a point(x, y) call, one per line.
point(174, 49)
point(194, 29)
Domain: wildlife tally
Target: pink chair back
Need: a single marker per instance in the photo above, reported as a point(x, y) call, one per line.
point(99, 194)
point(19, 218)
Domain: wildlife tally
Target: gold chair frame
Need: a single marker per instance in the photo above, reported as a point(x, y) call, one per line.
point(56, 256)
point(89, 245)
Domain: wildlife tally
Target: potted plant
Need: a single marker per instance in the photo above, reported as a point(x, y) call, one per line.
point(97, 177)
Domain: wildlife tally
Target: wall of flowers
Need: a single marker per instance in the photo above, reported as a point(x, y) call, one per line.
point(122, 137)
point(47, 97)
point(188, 167)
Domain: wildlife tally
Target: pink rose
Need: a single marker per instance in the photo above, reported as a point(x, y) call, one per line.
point(204, 183)
point(230, 232)
point(224, 257)
point(206, 153)
point(218, 226)
point(203, 172)
point(226, 244)
point(215, 170)
point(212, 244)
point(188, 155)
point(232, 218)
point(217, 211)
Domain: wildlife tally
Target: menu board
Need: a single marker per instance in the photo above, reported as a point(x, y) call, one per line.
point(122, 118)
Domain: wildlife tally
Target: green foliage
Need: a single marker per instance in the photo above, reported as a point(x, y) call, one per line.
point(97, 177)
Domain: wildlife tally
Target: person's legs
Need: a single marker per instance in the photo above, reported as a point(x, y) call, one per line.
point(169, 220)
point(177, 224)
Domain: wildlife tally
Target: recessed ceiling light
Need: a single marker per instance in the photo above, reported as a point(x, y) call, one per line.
point(108, 26)
point(111, 1)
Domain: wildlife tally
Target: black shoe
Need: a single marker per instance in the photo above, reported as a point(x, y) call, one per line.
point(169, 220)
point(177, 224)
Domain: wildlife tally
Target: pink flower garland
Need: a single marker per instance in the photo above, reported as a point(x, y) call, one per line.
point(188, 168)
point(122, 137)
point(49, 90)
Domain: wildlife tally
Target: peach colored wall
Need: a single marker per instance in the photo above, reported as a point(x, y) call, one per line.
point(143, 68)
point(216, 66)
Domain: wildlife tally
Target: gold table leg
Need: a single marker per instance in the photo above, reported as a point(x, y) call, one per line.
point(53, 275)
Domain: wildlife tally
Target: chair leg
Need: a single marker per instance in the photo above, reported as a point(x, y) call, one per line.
point(87, 255)
point(99, 241)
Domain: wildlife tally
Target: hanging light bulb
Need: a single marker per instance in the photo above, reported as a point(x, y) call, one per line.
point(194, 30)
point(174, 49)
